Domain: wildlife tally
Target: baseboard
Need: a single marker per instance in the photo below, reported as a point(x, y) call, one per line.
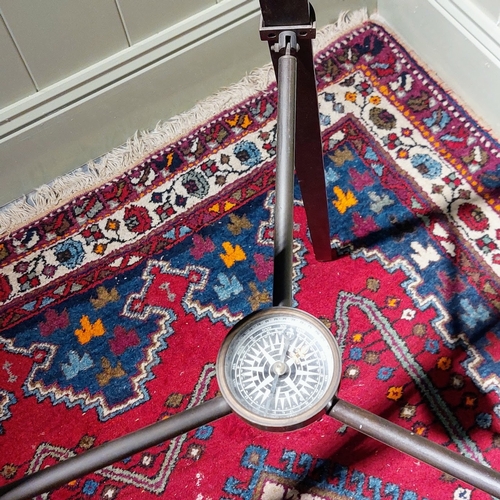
point(457, 41)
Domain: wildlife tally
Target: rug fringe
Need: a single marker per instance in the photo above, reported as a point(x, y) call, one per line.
point(347, 21)
point(95, 173)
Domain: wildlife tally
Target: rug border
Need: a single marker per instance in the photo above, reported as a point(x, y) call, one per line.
point(433, 75)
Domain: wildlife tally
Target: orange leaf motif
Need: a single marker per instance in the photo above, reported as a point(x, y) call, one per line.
point(395, 393)
point(89, 330)
point(344, 200)
point(232, 254)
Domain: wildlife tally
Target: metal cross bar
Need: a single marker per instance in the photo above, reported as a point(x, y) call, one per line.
point(423, 449)
point(115, 450)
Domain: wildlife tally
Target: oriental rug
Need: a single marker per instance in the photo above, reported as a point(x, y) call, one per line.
point(114, 305)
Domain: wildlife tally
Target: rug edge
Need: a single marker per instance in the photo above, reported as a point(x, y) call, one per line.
point(96, 173)
point(433, 74)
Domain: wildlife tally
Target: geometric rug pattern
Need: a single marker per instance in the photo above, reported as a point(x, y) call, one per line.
point(113, 306)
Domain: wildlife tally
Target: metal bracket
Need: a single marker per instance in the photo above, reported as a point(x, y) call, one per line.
point(287, 42)
point(302, 31)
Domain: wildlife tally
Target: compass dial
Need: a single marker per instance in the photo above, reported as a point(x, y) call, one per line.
point(279, 368)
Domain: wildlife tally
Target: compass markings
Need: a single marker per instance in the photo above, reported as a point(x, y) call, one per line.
point(309, 370)
point(280, 366)
point(255, 354)
point(277, 339)
point(263, 384)
point(250, 371)
point(269, 358)
point(305, 383)
point(265, 395)
point(292, 385)
point(291, 399)
point(250, 381)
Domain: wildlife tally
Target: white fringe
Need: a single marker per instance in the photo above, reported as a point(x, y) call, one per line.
point(94, 174)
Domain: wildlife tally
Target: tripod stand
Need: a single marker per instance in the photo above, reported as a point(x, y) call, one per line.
point(293, 58)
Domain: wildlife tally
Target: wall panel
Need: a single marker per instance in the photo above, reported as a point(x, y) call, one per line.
point(147, 17)
point(489, 7)
point(15, 81)
point(60, 37)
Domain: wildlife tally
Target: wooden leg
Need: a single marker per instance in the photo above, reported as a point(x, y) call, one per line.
point(309, 167)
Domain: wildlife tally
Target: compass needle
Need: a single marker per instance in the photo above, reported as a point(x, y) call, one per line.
point(278, 398)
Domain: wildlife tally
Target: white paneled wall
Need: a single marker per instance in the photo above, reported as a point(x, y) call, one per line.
point(145, 18)
point(47, 41)
point(78, 78)
point(15, 80)
point(478, 19)
point(59, 37)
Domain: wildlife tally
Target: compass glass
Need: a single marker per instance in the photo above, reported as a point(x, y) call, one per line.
point(279, 368)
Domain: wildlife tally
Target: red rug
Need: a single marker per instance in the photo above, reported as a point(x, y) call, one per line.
point(113, 306)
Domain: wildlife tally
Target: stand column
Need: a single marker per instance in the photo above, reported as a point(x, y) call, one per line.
point(285, 163)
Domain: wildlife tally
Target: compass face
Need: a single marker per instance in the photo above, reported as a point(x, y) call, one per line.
point(279, 368)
